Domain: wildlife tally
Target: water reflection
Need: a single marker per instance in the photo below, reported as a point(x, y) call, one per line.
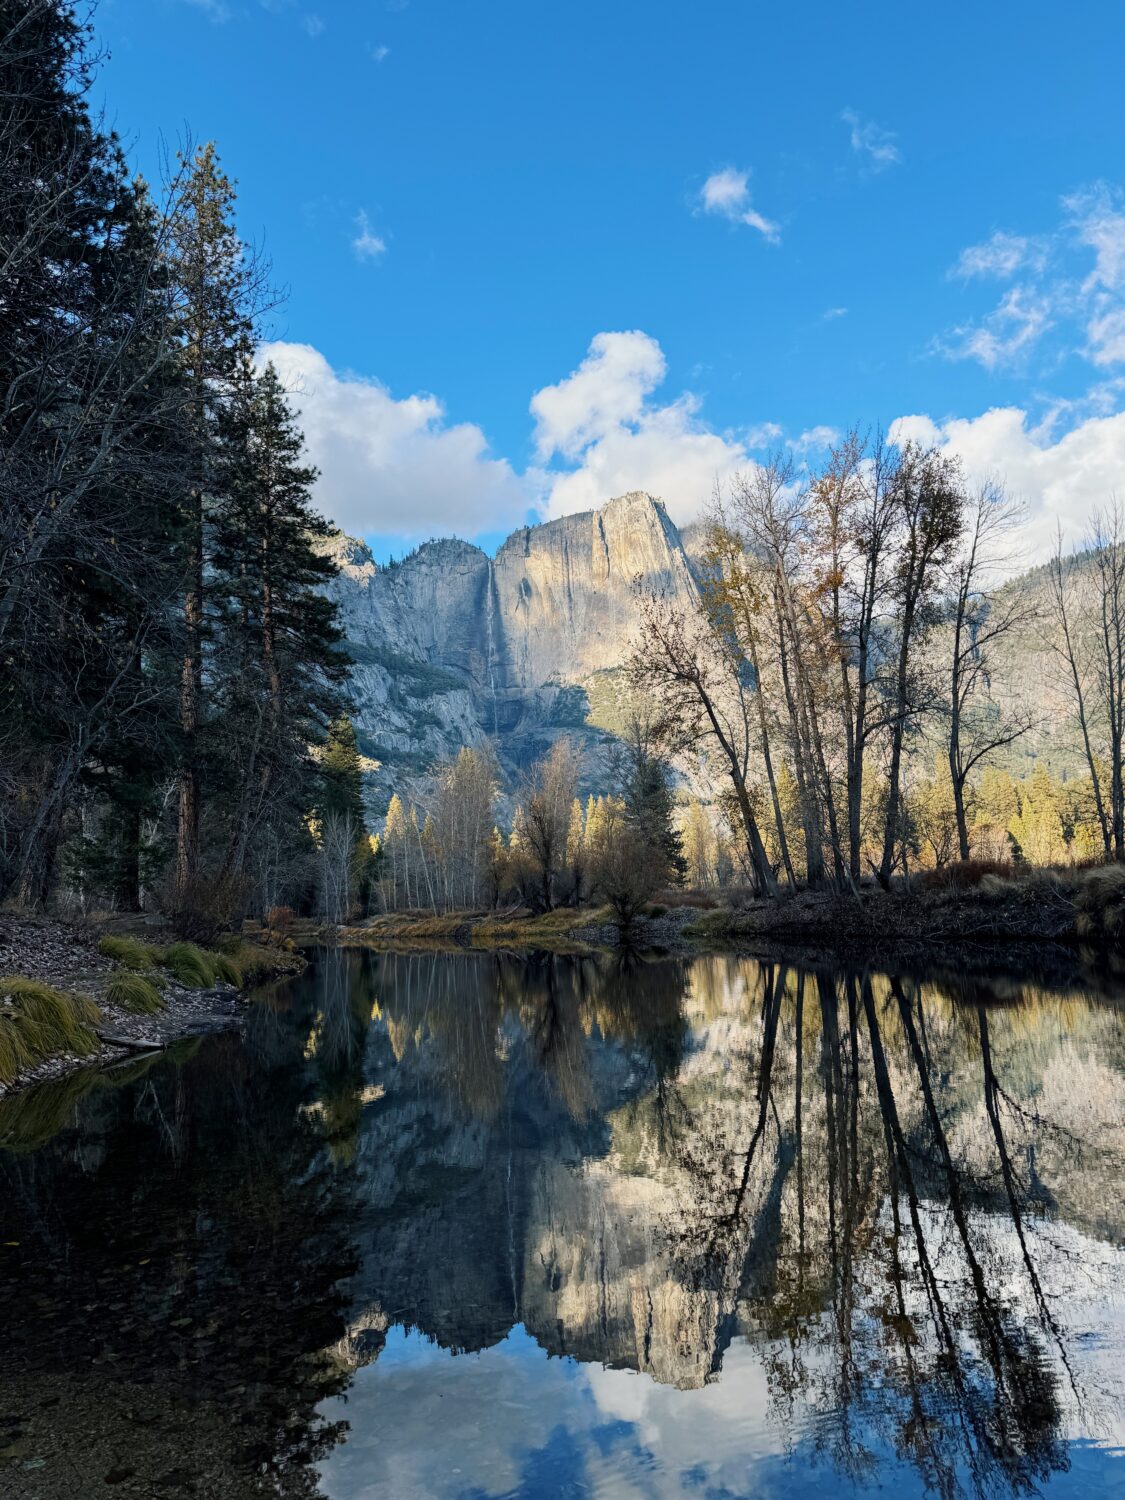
point(480, 1226)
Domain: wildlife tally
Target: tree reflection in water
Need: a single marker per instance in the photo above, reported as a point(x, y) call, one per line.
point(883, 1188)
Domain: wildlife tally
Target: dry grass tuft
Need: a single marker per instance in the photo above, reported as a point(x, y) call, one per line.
point(964, 875)
point(37, 1022)
point(136, 994)
point(1100, 902)
point(192, 966)
point(130, 952)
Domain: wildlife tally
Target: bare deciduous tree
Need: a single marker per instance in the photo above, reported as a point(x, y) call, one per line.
point(696, 677)
point(978, 727)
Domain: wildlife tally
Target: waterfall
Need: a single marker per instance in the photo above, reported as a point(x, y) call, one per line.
point(489, 612)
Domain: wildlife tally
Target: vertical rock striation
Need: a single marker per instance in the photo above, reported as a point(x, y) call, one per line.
point(452, 647)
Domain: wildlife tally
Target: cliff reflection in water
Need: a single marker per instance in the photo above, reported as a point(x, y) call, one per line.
point(887, 1194)
point(626, 1227)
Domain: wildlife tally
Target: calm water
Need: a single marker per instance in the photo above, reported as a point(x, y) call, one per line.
point(478, 1227)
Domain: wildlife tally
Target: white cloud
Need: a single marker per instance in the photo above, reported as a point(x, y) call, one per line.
point(1098, 219)
point(366, 244)
point(216, 9)
point(1106, 337)
point(394, 466)
point(1058, 287)
point(820, 436)
point(607, 390)
point(1005, 335)
point(879, 146)
point(763, 435)
point(601, 420)
point(313, 24)
point(727, 194)
point(1001, 255)
point(831, 313)
point(380, 53)
point(1061, 482)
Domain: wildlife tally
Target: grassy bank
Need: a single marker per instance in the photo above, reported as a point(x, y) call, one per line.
point(71, 994)
point(965, 905)
point(568, 930)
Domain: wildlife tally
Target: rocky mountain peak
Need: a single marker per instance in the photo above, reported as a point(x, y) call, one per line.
point(452, 647)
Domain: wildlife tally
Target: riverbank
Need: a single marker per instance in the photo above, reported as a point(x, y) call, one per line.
point(1063, 924)
point(1057, 919)
point(68, 1001)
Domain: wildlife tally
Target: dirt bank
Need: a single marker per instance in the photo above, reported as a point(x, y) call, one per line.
point(65, 956)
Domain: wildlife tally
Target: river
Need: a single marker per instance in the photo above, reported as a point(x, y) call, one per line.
point(479, 1226)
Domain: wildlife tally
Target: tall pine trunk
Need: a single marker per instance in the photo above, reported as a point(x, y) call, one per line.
point(191, 692)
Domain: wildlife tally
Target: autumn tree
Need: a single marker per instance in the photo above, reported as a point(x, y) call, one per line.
point(928, 505)
point(687, 663)
point(980, 623)
point(546, 798)
point(628, 863)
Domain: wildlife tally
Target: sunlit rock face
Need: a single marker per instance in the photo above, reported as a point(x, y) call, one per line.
point(451, 647)
point(566, 592)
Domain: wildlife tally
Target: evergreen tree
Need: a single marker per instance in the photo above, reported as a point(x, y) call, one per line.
point(274, 662)
point(343, 836)
point(341, 775)
point(218, 290)
point(650, 806)
point(88, 410)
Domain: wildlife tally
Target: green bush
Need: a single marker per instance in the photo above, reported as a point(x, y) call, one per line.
point(134, 993)
point(190, 965)
point(37, 1022)
point(130, 951)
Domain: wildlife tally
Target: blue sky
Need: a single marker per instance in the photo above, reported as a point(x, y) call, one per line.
point(732, 224)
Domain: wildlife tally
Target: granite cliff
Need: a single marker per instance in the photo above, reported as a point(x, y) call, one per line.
point(451, 646)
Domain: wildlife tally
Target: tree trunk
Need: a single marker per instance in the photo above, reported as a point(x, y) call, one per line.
point(191, 691)
point(898, 732)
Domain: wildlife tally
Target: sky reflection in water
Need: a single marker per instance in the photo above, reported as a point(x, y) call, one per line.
point(554, 1227)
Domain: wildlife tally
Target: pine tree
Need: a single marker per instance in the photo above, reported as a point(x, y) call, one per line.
point(218, 288)
point(274, 662)
point(341, 774)
point(339, 815)
point(650, 807)
point(85, 427)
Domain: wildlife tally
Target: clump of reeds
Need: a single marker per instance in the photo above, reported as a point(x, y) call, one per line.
point(136, 994)
point(965, 875)
point(130, 952)
point(38, 1021)
point(190, 965)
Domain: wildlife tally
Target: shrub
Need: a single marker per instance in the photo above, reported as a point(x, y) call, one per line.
point(190, 965)
point(963, 874)
point(134, 993)
point(130, 951)
point(672, 897)
point(258, 963)
point(211, 904)
point(1100, 902)
point(37, 1022)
